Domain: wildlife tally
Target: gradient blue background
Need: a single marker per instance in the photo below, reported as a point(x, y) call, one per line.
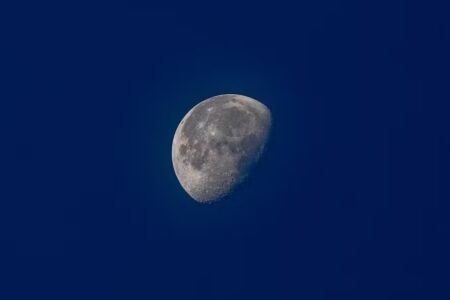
point(351, 200)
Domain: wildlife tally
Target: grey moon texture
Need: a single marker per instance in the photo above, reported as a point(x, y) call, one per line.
point(217, 143)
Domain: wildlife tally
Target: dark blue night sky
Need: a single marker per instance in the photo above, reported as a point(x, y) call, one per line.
point(350, 201)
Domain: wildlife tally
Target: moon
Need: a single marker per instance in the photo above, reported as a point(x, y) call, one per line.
point(217, 143)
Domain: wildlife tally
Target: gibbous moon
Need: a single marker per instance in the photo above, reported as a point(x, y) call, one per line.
point(217, 143)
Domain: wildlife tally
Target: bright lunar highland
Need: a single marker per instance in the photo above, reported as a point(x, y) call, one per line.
point(217, 143)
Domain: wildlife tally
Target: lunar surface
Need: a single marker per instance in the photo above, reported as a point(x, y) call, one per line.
point(217, 143)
